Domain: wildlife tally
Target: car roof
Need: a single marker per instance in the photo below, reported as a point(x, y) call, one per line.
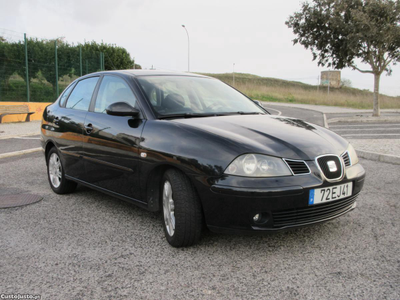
point(149, 73)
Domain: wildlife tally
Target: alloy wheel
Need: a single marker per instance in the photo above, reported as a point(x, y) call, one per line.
point(55, 170)
point(168, 208)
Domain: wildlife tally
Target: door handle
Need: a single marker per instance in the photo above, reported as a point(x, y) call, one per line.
point(89, 128)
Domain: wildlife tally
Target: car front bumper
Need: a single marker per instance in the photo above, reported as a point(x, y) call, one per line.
point(232, 201)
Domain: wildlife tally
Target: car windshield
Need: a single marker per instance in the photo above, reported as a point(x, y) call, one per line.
point(186, 96)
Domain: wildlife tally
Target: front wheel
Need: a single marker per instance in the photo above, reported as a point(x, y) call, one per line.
point(182, 213)
point(55, 172)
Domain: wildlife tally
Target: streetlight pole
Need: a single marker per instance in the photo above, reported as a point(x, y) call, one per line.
point(188, 47)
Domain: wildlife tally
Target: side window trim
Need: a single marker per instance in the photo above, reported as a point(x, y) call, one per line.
point(95, 93)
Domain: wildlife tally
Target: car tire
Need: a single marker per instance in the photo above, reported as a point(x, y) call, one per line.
point(181, 210)
point(55, 173)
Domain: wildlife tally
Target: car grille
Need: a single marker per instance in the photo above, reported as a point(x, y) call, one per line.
point(346, 159)
point(311, 214)
point(298, 167)
point(323, 164)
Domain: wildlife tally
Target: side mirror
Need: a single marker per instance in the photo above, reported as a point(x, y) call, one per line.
point(122, 109)
point(257, 102)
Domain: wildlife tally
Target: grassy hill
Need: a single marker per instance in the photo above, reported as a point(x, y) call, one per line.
point(278, 90)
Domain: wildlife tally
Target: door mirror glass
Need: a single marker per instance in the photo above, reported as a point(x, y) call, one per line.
point(122, 109)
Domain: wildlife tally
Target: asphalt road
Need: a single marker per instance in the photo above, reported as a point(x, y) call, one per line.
point(88, 245)
point(19, 143)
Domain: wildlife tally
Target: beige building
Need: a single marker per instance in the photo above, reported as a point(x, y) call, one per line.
point(331, 76)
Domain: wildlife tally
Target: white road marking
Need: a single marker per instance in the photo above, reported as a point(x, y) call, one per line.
point(372, 134)
point(16, 153)
point(371, 129)
point(25, 138)
point(268, 108)
point(364, 125)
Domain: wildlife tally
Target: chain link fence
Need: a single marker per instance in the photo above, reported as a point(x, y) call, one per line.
point(34, 69)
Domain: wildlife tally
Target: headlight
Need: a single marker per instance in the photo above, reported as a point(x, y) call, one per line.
point(352, 155)
point(256, 165)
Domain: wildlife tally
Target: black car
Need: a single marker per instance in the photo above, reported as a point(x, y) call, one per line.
point(199, 151)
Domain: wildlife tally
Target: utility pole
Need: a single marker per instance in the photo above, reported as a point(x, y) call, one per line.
point(56, 63)
point(188, 47)
point(318, 84)
point(80, 60)
point(26, 68)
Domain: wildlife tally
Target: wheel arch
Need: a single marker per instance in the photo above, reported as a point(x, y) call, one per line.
point(50, 144)
point(153, 186)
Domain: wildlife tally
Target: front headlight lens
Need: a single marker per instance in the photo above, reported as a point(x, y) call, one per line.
point(257, 165)
point(352, 154)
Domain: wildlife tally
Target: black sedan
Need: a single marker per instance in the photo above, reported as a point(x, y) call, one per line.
point(199, 151)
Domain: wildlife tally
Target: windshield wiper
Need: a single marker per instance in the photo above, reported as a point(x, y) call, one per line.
point(202, 115)
point(188, 115)
point(249, 113)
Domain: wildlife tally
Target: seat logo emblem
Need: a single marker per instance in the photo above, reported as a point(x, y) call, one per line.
point(332, 166)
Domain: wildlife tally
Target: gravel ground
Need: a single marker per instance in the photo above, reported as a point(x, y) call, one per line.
point(90, 246)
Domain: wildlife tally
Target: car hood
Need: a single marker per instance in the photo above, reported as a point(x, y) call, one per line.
point(272, 135)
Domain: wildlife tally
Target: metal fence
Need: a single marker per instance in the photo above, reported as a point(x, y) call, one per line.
point(35, 69)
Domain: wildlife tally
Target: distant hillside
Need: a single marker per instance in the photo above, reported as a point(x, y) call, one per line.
point(278, 90)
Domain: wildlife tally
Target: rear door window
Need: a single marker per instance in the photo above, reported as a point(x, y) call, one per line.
point(82, 94)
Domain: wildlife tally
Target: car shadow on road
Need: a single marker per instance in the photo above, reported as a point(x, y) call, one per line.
point(150, 223)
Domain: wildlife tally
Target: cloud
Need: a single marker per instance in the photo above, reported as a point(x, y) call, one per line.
point(251, 34)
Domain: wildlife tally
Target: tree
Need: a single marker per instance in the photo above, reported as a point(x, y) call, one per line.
point(8, 64)
point(339, 32)
point(345, 82)
point(115, 58)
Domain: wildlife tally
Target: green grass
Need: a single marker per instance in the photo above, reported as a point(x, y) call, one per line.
point(15, 91)
point(256, 87)
point(278, 90)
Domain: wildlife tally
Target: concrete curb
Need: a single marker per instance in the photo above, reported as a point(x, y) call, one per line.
point(17, 153)
point(387, 158)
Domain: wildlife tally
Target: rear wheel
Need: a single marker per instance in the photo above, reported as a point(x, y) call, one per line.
point(182, 216)
point(55, 172)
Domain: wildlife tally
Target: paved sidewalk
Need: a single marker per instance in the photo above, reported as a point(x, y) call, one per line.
point(8, 130)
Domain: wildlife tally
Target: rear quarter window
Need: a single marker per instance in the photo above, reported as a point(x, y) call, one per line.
point(65, 94)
